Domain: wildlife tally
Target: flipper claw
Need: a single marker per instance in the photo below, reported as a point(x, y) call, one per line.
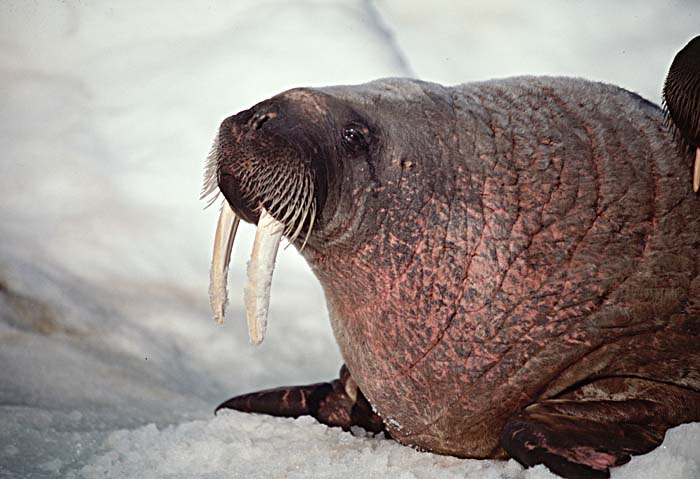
point(338, 403)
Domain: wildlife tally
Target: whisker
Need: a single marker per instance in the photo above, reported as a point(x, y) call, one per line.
point(286, 193)
point(210, 184)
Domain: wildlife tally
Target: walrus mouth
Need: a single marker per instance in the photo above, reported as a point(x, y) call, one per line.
point(283, 208)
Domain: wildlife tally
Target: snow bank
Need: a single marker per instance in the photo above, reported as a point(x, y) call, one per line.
point(110, 363)
point(239, 445)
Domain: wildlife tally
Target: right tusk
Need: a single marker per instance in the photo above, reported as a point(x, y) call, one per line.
point(260, 269)
point(223, 244)
point(696, 171)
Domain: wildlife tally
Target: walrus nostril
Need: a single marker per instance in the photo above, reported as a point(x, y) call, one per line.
point(259, 119)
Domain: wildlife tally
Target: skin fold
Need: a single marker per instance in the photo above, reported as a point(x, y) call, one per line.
point(511, 267)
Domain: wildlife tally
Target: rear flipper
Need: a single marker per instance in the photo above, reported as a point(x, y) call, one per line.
point(338, 403)
point(581, 437)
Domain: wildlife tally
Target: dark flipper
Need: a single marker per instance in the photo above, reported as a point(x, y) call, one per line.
point(583, 438)
point(338, 403)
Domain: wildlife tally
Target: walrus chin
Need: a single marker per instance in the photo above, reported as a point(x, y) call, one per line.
point(283, 205)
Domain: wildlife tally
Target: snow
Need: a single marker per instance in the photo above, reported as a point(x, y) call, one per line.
point(110, 362)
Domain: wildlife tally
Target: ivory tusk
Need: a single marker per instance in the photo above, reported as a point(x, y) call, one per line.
point(218, 276)
point(260, 269)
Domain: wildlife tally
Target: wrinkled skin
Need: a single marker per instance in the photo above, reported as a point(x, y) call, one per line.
point(511, 267)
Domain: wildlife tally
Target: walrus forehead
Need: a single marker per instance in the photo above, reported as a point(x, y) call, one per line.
point(404, 90)
point(305, 99)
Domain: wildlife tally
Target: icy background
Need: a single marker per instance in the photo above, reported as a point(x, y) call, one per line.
point(110, 364)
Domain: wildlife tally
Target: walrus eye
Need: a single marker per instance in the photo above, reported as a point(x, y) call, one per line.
point(355, 137)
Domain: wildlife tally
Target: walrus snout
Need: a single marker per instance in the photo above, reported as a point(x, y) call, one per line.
point(265, 158)
point(272, 165)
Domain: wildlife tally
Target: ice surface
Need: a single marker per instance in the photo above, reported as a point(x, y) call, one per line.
point(240, 445)
point(110, 364)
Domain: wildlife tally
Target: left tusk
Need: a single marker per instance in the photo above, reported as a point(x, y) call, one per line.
point(218, 276)
point(260, 269)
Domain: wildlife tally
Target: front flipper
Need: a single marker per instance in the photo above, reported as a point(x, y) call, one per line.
point(338, 403)
point(581, 438)
point(576, 447)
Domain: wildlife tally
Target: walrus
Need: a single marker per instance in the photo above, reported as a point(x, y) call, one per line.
point(511, 267)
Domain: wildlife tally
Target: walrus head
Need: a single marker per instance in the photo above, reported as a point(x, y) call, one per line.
point(682, 102)
point(279, 165)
